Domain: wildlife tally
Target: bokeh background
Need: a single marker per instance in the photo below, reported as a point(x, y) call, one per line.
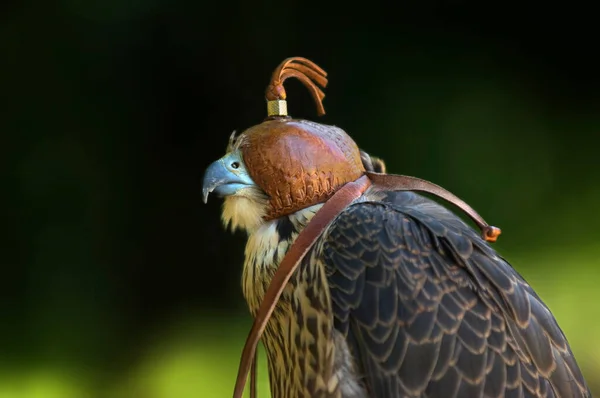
point(118, 282)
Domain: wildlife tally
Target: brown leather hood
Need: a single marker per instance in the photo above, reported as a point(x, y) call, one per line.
point(299, 163)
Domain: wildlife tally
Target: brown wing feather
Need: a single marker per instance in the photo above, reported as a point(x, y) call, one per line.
point(430, 310)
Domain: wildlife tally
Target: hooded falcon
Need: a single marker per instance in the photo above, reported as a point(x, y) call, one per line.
point(398, 296)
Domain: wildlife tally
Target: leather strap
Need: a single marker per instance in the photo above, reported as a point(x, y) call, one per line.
point(253, 373)
point(395, 182)
point(305, 240)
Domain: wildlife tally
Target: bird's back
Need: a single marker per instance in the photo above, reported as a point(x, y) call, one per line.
point(428, 309)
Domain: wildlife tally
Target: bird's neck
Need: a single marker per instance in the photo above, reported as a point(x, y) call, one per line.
point(297, 338)
point(266, 247)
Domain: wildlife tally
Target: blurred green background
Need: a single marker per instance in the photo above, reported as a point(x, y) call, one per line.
point(118, 282)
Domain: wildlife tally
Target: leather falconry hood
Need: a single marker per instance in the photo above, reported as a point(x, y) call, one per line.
point(299, 163)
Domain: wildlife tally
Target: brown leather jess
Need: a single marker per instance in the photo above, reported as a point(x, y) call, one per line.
point(335, 201)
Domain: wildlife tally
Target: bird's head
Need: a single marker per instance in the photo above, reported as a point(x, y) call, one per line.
point(279, 167)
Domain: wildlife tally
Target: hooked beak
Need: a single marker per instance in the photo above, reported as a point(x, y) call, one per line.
point(224, 180)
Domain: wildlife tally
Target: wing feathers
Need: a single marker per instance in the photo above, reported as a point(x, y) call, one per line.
point(429, 309)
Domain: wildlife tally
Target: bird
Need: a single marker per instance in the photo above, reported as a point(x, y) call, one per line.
point(398, 296)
